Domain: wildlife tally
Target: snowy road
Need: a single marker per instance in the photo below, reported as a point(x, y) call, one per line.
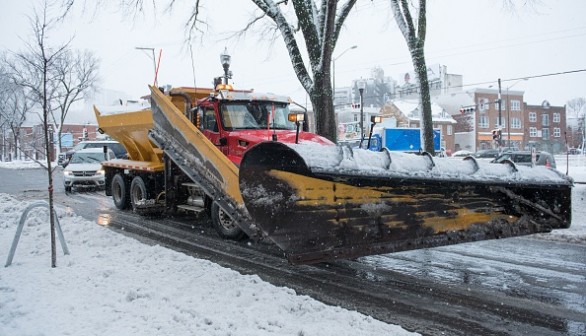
point(512, 286)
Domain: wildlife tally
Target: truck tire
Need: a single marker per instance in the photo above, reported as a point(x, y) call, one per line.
point(224, 225)
point(120, 193)
point(138, 193)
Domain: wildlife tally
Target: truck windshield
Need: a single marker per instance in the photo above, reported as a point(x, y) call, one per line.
point(255, 115)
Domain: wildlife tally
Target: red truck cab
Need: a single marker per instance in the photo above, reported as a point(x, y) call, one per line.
point(234, 121)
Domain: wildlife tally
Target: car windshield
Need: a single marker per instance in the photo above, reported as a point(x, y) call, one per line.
point(486, 154)
point(87, 158)
point(503, 158)
point(116, 147)
point(255, 115)
point(79, 146)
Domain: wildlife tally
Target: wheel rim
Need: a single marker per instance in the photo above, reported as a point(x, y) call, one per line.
point(225, 221)
point(116, 191)
point(137, 195)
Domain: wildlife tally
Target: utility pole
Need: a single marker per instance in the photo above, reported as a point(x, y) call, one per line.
point(500, 113)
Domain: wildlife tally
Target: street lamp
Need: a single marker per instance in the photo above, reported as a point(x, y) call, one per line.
point(361, 86)
point(509, 112)
point(334, 71)
point(153, 56)
point(225, 60)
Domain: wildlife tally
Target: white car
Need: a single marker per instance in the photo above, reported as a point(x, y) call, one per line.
point(85, 168)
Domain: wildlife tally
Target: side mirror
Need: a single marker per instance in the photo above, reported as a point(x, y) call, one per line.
point(223, 141)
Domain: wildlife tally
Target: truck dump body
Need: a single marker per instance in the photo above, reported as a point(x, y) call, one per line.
point(131, 130)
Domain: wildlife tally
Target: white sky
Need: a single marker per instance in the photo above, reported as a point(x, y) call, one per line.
point(477, 39)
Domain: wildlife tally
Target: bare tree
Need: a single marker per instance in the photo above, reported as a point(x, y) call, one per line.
point(75, 75)
point(4, 112)
point(414, 33)
point(14, 106)
point(576, 110)
point(33, 71)
point(320, 23)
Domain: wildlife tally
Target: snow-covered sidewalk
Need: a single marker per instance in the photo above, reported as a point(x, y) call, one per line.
point(114, 285)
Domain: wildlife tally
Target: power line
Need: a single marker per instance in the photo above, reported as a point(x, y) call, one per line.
point(527, 77)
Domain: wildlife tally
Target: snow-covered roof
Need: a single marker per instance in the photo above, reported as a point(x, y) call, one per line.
point(410, 108)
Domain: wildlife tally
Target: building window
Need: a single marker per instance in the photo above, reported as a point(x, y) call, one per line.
point(532, 117)
point(449, 130)
point(545, 134)
point(483, 104)
point(557, 132)
point(483, 121)
point(515, 123)
point(545, 119)
point(515, 105)
point(502, 124)
point(496, 104)
point(556, 118)
point(533, 132)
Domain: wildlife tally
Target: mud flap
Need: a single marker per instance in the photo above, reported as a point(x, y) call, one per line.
point(316, 214)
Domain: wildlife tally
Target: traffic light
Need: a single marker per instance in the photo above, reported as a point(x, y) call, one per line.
point(84, 134)
point(468, 109)
point(497, 134)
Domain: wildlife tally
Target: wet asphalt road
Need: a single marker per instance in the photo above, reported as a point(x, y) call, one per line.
point(545, 278)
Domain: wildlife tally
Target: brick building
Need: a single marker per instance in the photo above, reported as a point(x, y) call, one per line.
point(545, 127)
point(523, 126)
point(32, 140)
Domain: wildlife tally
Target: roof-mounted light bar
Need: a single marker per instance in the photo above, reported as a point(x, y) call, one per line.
point(225, 87)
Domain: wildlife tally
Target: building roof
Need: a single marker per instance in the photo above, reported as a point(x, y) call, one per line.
point(410, 108)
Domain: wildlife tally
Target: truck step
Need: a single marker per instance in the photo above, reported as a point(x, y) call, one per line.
point(191, 208)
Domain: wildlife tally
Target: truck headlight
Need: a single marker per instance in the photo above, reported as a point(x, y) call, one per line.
point(67, 173)
point(100, 172)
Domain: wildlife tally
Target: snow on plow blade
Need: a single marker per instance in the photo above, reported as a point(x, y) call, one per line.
point(321, 203)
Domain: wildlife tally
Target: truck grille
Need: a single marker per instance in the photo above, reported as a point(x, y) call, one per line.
point(84, 173)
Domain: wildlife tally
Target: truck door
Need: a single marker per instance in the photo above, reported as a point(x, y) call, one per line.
point(209, 124)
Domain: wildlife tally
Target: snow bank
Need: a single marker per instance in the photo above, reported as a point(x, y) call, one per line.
point(115, 285)
point(22, 164)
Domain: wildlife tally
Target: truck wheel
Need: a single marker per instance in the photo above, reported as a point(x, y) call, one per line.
point(138, 193)
point(224, 225)
point(67, 189)
point(119, 192)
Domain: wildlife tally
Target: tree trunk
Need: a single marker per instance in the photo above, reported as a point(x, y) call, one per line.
point(50, 189)
point(15, 135)
point(323, 107)
point(426, 124)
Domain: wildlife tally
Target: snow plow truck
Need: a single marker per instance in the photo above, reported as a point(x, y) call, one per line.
point(242, 156)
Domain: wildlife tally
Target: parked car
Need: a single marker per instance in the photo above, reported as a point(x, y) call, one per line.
point(115, 146)
point(85, 168)
point(574, 151)
point(462, 153)
point(524, 158)
point(486, 154)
